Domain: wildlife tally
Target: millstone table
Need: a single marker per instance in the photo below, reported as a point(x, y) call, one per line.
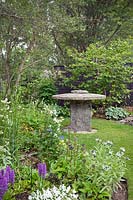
point(80, 104)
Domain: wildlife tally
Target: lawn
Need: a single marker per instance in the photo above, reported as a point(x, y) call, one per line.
point(121, 135)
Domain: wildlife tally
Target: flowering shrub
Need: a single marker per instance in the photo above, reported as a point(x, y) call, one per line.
point(55, 193)
point(7, 177)
point(94, 174)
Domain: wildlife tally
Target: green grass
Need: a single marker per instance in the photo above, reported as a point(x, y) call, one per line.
point(121, 135)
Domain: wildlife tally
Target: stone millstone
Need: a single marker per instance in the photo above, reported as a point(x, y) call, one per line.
point(80, 103)
point(79, 96)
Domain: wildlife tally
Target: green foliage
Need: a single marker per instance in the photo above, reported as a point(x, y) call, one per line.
point(102, 70)
point(115, 113)
point(25, 39)
point(5, 155)
point(40, 131)
point(78, 23)
point(63, 111)
point(38, 89)
point(94, 174)
point(32, 128)
point(9, 126)
point(27, 180)
point(37, 34)
point(46, 89)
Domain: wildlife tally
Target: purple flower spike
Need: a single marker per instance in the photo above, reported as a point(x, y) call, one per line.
point(12, 177)
point(2, 172)
point(42, 169)
point(7, 172)
point(6, 176)
point(3, 184)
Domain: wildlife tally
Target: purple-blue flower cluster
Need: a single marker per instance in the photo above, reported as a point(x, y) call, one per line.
point(42, 169)
point(7, 176)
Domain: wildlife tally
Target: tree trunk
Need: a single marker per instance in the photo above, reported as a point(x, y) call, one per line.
point(21, 67)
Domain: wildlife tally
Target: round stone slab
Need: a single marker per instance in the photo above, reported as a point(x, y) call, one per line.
point(79, 96)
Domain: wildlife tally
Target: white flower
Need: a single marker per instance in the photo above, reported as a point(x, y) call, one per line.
point(108, 143)
point(110, 152)
point(122, 149)
point(68, 189)
point(55, 193)
point(119, 154)
point(5, 101)
point(98, 140)
point(93, 152)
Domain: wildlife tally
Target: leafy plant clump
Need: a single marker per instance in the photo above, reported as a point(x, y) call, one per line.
point(115, 113)
point(94, 174)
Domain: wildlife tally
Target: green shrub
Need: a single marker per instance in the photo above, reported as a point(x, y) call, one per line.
point(39, 89)
point(115, 113)
point(46, 89)
point(101, 69)
point(40, 130)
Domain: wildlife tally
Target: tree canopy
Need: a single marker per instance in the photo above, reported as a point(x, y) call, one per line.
point(37, 34)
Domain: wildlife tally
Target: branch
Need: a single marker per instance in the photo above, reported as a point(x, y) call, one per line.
point(21, 67)
point(11, 16)
point(57, 43)
point(115, 31)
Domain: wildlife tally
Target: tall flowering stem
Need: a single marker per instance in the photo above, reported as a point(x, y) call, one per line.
point(42, 169)
point(7, 177)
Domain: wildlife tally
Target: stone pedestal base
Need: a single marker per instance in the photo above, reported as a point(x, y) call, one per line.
point(80, 116)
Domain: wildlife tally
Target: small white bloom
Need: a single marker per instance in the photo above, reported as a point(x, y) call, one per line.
point(5, 101)
point(109, 142)
point(106, 167)
point(119, 154)
point(93, 152)
point(68, 189)
point(110, 152)
point(122, 149)
point(98, 140)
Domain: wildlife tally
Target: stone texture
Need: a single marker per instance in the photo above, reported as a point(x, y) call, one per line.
point(80, 116)
point(80, 102)
point(127, 120)
point(79, 96)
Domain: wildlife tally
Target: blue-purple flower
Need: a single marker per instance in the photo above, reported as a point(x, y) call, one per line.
point(42, 169)
point(6, 176)
point(62, 137)
point(9, 173)
point(3, 185)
